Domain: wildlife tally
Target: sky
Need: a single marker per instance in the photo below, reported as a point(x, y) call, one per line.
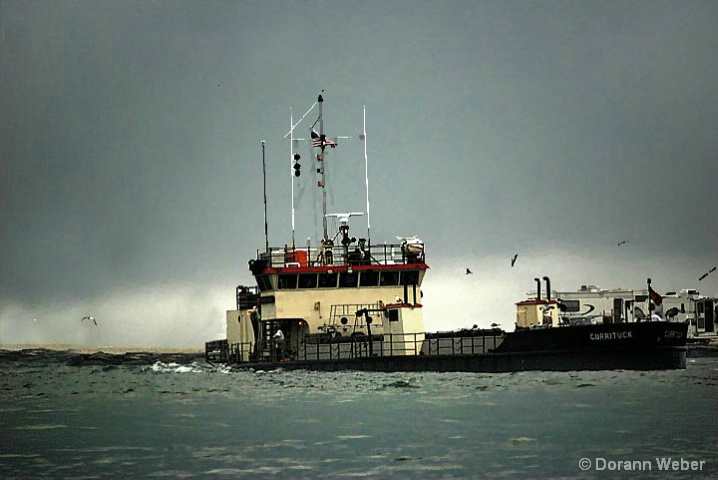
point(131, 182)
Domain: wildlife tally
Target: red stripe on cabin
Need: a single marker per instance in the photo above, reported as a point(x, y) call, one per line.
point(344, 268)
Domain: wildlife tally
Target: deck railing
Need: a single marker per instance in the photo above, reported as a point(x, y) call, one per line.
point(338, 255)
point(386, 345)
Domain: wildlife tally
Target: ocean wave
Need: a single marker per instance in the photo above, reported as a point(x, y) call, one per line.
point(44, 356)
point(174, 367)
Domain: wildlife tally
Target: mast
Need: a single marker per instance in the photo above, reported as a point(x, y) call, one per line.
point(366, 179)
point(264, 176)
point(291, 157)
point(320, 100)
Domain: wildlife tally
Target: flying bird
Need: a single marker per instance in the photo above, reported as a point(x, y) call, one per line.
point(622, 242)
point(707, 273)
point(513, 260)
point(89, 318)
point(469, 272)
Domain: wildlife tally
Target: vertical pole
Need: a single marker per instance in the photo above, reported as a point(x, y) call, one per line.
point(264, 175)
point(320, 100)
point(366, 179)
point(291, 170)
point(650, 301)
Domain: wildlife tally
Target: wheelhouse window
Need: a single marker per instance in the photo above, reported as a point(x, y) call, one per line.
point(348, 280)
point(264, 282)
point(393, 315)
point(389, 278)
point(327, 280)
point(287, 282)
point(410, 277)
point(307, 280)
point(369, 278)
point(571, 305)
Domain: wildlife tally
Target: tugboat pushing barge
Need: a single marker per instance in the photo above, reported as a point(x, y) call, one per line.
point(349, 304)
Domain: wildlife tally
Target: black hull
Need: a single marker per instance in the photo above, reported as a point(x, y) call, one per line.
point(617, 336)
point(662, 358)
point(634, 346)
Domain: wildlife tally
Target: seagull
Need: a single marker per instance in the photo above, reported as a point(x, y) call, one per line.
point(707, 273)
point(622, 242)
point(89, 318)
point(469, 272)
point(513, 260)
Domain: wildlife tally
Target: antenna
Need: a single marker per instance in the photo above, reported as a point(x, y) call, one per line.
point(264, 176)
point(344, 217)
point(300, 120)
point(366, 178)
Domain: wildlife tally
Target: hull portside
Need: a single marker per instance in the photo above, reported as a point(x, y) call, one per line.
point(617, 336)
point(662, 358)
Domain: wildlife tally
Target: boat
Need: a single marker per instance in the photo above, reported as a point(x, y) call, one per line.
point(351, 304)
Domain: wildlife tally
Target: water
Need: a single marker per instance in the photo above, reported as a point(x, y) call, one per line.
point(170, 420)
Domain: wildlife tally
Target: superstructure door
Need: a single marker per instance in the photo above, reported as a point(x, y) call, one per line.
point(710, 318)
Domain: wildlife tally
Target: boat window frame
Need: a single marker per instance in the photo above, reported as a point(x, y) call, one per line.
point(324, 275)
point(411, 275)
point(264, 283)
point(348, 280)
point(386, 273)
point(571, 306)
point(284, 281)
point(305, 276)
point(369, 274)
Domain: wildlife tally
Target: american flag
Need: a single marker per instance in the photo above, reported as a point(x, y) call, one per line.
point(317, 141)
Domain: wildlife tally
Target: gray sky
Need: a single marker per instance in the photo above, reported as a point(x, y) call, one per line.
point(130, 154)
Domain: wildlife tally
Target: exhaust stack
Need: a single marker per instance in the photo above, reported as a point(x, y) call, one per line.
point(538, 289)
point(548, 288)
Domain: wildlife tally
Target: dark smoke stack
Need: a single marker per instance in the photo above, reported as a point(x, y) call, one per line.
point(538, 289)
point(548, 288)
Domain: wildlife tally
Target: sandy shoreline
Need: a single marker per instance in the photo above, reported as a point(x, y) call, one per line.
point(99, 348)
